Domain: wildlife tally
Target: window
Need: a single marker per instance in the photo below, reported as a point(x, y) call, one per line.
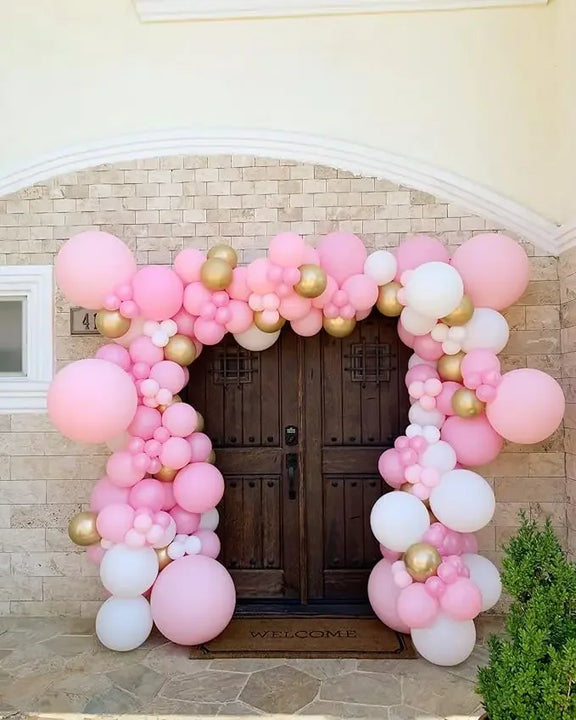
point(26, 352)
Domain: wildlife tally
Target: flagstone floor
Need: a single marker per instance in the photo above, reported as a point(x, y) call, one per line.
point(53, 667)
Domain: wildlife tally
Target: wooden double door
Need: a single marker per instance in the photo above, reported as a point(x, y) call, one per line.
point(297, 431)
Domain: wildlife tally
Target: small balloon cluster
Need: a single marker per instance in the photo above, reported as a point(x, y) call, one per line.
point(152, 518)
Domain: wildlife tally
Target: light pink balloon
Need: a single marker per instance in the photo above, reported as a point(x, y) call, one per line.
point(106, 493)
point(146, 421)
point(327, 295)
point(180, 419)
point(462, 600)
point(496, 284)
point(407, 338)
point(184, 322)
point(114, 521)
point(362, 291)
point(148, 493)
point(92, 400)
point(169, 499)
point(444, 400)
point(391, 467)
point(210, 543)
point(187, 264)
point(528, 408)
point(311, 256)
point(416, 608)
point(474, 440)
point(143, 350)
point(122, 470)
point(420, 373)
point(287, 250)
point(176, 453)
point(308, 325)
point(342, 255)
point(257, 277)
point(427, 348)
point(477, 363)
point(136, 330)
point(116, 354)
point(95, 553)
point(417, 250)
point(242, 317)
point(158, 292)
point(193, 600)
point(294, 307)
point(169, 375)
point(199, 487)
point(238, 288)
point(201, 446)
point(186, 522)
point(196, 295)
point(91, 265)
point(383, 595)
point(209, 332)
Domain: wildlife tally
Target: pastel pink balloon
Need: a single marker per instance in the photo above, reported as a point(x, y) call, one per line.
point(196, 295)
point(106, 493)
point(391, 467)
point(311, 256)
point(257, 277)
point(383, 595)
point(416, 608)
point(497, 284)
point(362, 291)
point(342, 255)
point(91, 265)
point(158, 292)
point(427, 348)
point(114, 521)
point(444, 400)
point(420, 373)
point(193, 600)
point(241, 317)
point(308, 325)
point(462, 600)
point(417, 250)
point(199, 487)
point(180, 419)
point(169, 375)
point(407, 338)
point(176, 453)
point(287, 250)
point(294, 307)
point(148, 493)
point(201, 447)
point(186, 522)
point(115, 354)
point(389, 555)
point(327, 295)
point(122, 470)
point(210, 543)
point(143, 350)
point(95, 553)
point(187, 264)
point(209, 332)
point(238, 288)
point(184, 322)
point(92, 400)
point(169, 499)
point(146, 421)
point(474, 440)
point(477, 363)
point(528, 408)
point(135, 331)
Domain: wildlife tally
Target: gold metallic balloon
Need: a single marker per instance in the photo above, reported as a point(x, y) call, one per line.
point(449, 367)
point(466, 404)
point(216, 274)
point(163, 558)
point(82, 529)
point(166, 474)
point(267, 327)
point(201, 423)
point(313, 281)
point(111, 324)
point(181, 350)
point(462, 314)
point(211, 458)
point(339, 327)
point(422, 561)
point(224, 252)
point(387, 301)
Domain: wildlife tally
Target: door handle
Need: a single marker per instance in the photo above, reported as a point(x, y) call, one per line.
point(292, 468)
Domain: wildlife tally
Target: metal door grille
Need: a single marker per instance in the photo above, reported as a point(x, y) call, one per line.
point(233, 366)
point(370, 362)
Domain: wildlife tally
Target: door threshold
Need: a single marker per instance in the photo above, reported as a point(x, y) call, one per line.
point(332, 610)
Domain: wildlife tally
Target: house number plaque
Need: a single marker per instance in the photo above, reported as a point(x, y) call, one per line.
point(83, 322)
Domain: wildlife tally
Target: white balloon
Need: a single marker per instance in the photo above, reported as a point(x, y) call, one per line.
point(381, 266)
point(210, 520)
point(414, 360)
point(415, 323)
point(486, 330)
point(418, 416)
point(123, 624)
point(485, 574)
point(128, 572)
point(447, 642)
point(193, 545)
point(255, 339)
point(434, 289)
point(398, 520)
point(440, 456)
point(463, 501)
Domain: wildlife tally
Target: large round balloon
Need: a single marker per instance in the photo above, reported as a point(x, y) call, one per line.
point(127, 572)
point(434, 290)
point(158, 292)
point(528, 407)
point(463, 501)
point(417, 250)
point(383, 594)
point(342, 255)
point(398, 520)
point(495, 270)
point(486, 576)
point(123, 624)
point(447, 642)
point(487, 330)
point(256, 340)
point(474, 440)
point(198, 487)
point(91, 265)
point(193, 600)
point(92, 400)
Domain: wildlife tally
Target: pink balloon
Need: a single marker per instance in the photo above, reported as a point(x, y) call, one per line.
point(477, 363)
point(201, 446)
point(342, 255)
point(294, 307)
point(146, 421)
point(469, 543)
point(311, 256)
point(407, 338)
point(114, 521)
point(92, 400)
point(257, 277)
point(169, 499)
point(169, 375)
point(427, 348)
point(91, 265)
point(241, 317)
point(148, 493)
point(193, 600)
point(143, 350)
point(327, 295)
point(158, 292)
point(529, 406)
point(287, 250)
point(308, 325)
point(176, 453)
point(106, 493)
point(416, 608)
point(497, 284)
point(362, 291)
point(391, 467)
point(474, 440)
point(184, 322)
point(199, 487)
point(186, 522)
point(180, 419)
point(417, 250)
point(462, 600)
point(196, 295)
point(383, 594)
point(135, 331)
point(187, 264)
point(122, 470)
point(95, 553)
point(210, 543)
point(238, 288)
point(420, 373)
point(115, 354)
point(444, 400)
point(209, 332)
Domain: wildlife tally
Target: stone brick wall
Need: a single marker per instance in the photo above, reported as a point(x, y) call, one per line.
point(161, 205)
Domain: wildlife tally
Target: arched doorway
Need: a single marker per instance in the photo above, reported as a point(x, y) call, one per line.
point(298, 430)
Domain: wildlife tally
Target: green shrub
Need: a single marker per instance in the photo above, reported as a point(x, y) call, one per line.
point(531, 674)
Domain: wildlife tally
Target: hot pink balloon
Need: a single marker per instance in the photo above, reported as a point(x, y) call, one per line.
point(309, 325)
point(287, 250)
point(342, 255)
point(210, 543)
point(92, 401)
point(391, 467)
point(383, 594)
point(462, 600)
point(193, 600)
point(238, 288)
point(242, 317)
point(257, 277)
point(417, 250)
point(184, 322)
point(444, 400)
point(187, 264)
point(106, 493)
point(201, 447)
point(114, 521)
point(176, 453)
point(497, 284)
point(91, 265)
point(186, 522)
point(115, 354)
point(148, 493)
point(196, 295)
point(528, 408)
point(294, 307)
point(146, 421)
point(407, 338)
point(420, 373)
point(143, 350)
point(327, 295)
point(362, 291)
point(199, 487)
point(122, 470)
point(95, 553)
point(169, 375)
point(180, 419)
point(416, 608)
point(209, 332)
point(477, 363)
point(158, 292)
point(474, 440)
point(427, 348)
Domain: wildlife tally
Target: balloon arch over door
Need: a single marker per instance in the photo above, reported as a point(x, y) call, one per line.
point(153, 516)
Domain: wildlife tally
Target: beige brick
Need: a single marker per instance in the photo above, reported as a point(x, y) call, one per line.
point(63, 588)
point(21, 539)
point(15, 587)
point(45, 609)
point(23, 492)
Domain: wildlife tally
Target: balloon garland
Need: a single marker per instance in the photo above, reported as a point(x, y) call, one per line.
point(152, 519)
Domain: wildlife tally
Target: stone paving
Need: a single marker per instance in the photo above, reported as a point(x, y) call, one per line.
point(50, 666)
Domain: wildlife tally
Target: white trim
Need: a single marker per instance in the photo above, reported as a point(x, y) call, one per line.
point(175, 10)
point(34, 283)
point(566, 238)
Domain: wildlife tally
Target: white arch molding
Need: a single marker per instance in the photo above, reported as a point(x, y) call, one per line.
point(305, 148)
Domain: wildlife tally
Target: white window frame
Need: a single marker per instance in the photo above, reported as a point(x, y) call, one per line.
point(33, 284)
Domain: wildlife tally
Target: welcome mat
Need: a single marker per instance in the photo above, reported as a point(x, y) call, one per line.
point(306, 637)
